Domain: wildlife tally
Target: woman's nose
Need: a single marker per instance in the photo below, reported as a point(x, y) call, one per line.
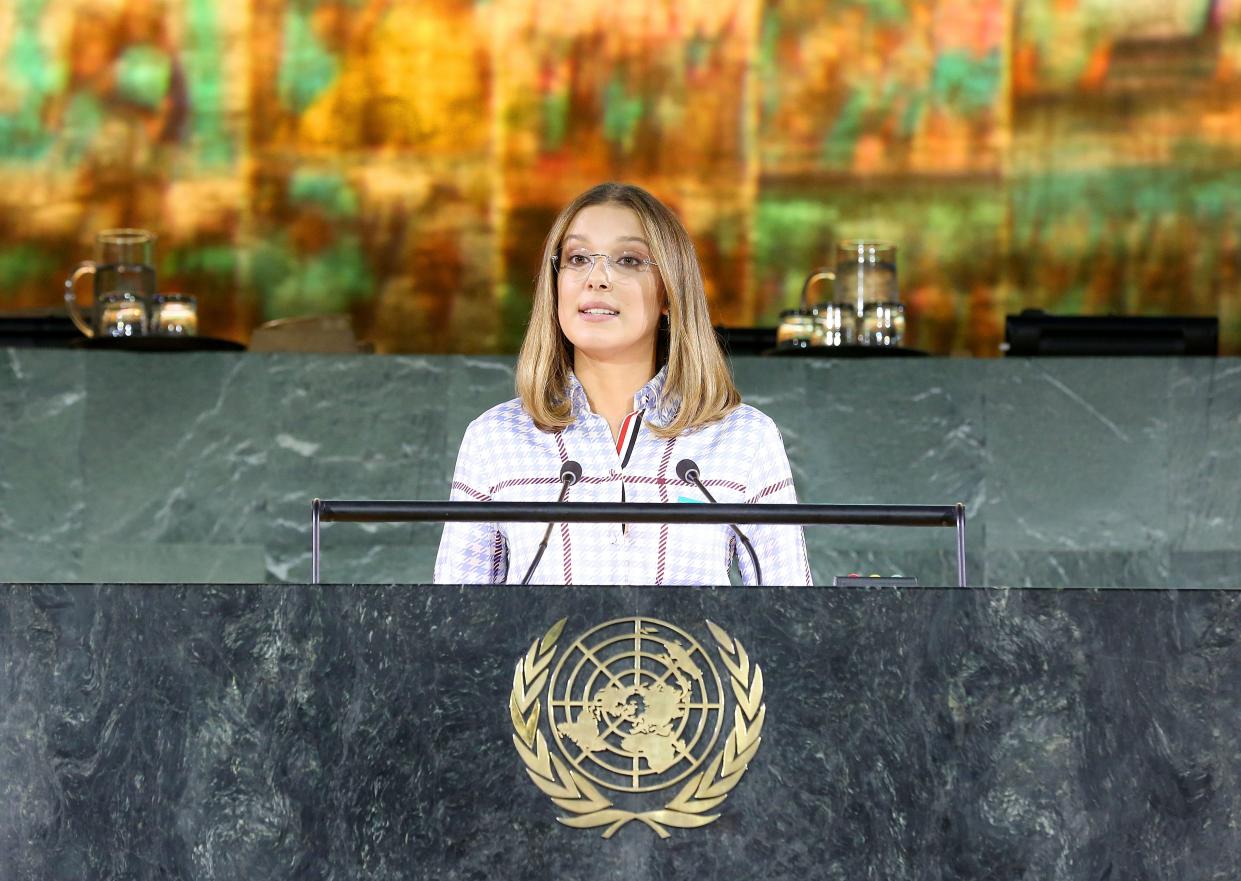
point(598, 276)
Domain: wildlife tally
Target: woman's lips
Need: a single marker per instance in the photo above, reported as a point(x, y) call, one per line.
point(595, 312)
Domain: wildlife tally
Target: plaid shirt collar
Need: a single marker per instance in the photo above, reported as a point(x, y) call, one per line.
point(660, 409)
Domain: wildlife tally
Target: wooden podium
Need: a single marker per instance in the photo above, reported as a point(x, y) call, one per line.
point(411, 732)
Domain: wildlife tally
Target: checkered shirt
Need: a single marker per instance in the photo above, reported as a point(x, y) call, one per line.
point(504, 457)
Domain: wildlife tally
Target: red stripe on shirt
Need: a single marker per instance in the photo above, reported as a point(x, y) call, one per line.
point(773, 488)
point(525, 481)
point(470, 491)
point(623, 435)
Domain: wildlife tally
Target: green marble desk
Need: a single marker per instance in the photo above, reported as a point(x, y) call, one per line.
point(201, 467)
point(210, 732)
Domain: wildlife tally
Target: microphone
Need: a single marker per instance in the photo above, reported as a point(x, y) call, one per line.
point(570, 473)
point(687, 470)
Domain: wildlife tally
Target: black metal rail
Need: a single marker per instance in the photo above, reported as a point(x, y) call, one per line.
point(952, 516)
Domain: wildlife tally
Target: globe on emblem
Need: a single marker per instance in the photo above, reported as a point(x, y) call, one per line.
point(635, 704)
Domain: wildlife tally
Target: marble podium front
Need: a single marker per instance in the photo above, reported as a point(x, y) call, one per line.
point(363, 732)
point(1094, 472)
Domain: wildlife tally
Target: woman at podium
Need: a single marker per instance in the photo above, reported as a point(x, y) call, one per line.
point(621, 376)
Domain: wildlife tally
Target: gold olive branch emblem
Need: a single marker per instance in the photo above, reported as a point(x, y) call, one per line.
point(572, 792)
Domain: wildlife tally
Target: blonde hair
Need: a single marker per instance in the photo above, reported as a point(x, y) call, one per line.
point(698, 375)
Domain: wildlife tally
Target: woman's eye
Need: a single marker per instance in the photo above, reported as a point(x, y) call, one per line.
point(629, 261)
point(577, 260)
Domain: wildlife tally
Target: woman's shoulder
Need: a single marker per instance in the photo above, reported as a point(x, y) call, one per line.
point(746, 418)
point(743, 426)
point(502, 419)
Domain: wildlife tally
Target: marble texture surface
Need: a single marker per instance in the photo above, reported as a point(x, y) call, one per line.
point(201, 468)
point(215, 732)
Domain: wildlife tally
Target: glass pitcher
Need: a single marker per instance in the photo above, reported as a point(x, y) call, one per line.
point(123, 273)
point(866, 282)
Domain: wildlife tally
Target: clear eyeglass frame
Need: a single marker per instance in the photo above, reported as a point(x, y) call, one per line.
point(610, 264)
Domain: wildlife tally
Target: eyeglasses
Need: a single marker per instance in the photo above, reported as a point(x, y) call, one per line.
point(626, 265)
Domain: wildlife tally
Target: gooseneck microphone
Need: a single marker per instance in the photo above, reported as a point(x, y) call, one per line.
point(687, 469)
point(570, 473)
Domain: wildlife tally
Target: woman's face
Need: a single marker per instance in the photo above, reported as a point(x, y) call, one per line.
point(609, 311)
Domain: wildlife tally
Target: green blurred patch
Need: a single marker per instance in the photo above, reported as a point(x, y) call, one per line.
point(622, 114)
point(555, 119)
point(31, 76)
point(842, 137)
point(202, 51)
point(24, 263)
point(83, 119)
point(793, 229)
point(768, 61)
point(791, 237)
point(880, 11)
point(1127, 194)
point(327, 190)
point(23, 137)
point(307, 69)
point(216, 261)
point(965, 83)
point(328, 281)
point(143, 75)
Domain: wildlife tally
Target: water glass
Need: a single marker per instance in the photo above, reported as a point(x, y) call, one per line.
point(798, 328)
point(121, 314)
point(837, 323)
point(174, 315)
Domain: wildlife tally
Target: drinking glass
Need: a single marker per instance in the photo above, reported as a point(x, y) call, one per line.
point(837, 323)
point(174, 315)
point(798, 328)
point(120, 314)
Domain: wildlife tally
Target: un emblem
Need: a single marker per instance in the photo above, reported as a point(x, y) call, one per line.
point(635, 706)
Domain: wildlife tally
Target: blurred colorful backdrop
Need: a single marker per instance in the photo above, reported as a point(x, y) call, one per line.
point(401, 161)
